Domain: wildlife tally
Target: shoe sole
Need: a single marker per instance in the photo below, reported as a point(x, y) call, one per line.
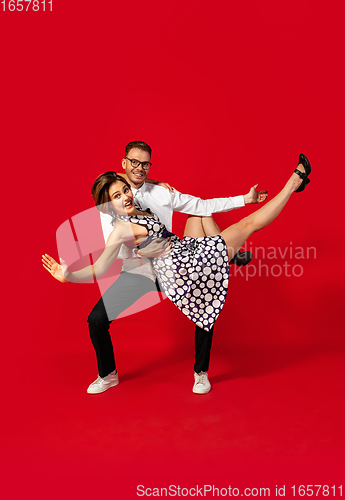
point(104, 390)
point(202, 393)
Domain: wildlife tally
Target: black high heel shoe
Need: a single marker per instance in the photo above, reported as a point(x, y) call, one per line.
point(303, 175)
point(241, 259)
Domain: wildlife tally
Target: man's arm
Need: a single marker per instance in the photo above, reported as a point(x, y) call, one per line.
point(196, 206)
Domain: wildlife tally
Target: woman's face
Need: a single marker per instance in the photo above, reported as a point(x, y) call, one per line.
point(121, 198)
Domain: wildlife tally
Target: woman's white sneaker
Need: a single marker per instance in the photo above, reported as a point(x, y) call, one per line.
point(201, 383)
point(103, 384)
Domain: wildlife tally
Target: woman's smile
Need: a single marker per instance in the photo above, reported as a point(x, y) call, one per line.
point(128, 204)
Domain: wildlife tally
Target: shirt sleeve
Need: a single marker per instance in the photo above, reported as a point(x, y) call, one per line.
point(196, 206)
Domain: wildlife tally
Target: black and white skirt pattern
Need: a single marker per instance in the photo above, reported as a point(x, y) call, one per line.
point(195, 275)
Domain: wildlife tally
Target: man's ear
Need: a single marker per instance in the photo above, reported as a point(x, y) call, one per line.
point(124, 164)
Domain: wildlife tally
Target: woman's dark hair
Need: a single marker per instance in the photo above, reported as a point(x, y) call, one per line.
point(100, 188)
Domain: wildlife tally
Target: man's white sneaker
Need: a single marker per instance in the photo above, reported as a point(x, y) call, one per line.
point(201, 383)
point(103, 384)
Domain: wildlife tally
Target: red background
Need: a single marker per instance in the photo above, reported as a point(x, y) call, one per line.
point(227, 94)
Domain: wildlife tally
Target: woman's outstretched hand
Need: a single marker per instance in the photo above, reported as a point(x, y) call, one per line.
point(58, 271)
point(255, 196)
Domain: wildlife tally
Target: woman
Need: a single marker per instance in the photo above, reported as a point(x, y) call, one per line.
point(194, 275)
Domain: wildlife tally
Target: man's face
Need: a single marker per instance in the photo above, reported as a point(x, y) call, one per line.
point(136, 176)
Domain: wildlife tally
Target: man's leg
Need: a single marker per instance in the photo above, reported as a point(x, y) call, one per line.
point(126, 290)
point(203, 342)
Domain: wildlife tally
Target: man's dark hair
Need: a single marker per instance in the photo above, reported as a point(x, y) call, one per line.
point(138, 144)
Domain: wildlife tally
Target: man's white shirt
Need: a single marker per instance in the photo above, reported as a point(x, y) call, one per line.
point(163, 203)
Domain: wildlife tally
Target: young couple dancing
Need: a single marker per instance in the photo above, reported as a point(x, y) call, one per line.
point(136, 219)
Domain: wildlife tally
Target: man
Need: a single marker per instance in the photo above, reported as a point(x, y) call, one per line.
point(138, 277)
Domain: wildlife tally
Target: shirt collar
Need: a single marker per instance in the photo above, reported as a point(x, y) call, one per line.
point(141, 190)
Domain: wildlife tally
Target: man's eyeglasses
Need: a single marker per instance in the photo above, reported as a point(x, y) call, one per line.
point(136, 163)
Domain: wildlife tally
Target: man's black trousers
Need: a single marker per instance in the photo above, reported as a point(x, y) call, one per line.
point(127, 289)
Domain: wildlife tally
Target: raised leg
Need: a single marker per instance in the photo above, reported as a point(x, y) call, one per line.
point(236, 235)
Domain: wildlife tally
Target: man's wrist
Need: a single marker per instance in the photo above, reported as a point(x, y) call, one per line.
point(246, 198)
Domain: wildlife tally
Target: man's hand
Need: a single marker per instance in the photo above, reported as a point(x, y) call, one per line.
point(255, 196)
point(160, 247)
point(166, 186)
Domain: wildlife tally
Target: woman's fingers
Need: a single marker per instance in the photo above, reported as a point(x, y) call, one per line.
point(46, 262)
point(47, 258)
point(170, 188)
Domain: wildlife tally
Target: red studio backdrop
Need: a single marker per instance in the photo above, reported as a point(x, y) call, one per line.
point(227, 94)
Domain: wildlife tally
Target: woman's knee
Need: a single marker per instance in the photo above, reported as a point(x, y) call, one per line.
point(194, 227)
